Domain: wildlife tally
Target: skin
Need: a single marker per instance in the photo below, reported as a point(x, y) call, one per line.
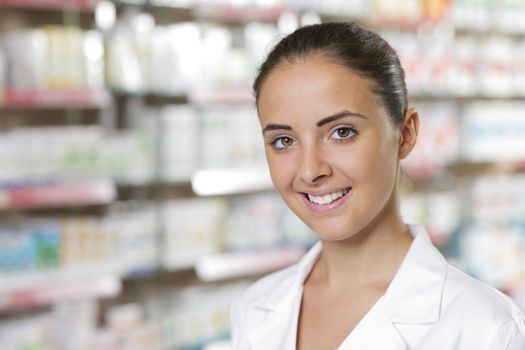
point(364, 240)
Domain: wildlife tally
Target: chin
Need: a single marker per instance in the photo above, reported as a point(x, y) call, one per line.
point(331, 229)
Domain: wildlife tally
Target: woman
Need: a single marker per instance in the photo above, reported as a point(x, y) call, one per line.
point(332, 104)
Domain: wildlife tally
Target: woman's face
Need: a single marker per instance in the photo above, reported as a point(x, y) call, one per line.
point(331, 147)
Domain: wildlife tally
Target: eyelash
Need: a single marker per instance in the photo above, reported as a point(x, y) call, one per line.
point(351, 129)
point(273, 143)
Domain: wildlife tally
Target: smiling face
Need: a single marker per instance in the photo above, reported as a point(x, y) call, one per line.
point(332, 150)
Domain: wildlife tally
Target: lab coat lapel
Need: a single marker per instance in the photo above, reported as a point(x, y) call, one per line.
point(412, 298)
point(375, 331)
point(280, 309)
point(277, 332)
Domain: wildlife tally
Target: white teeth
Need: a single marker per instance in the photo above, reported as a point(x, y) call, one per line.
point(327, 198)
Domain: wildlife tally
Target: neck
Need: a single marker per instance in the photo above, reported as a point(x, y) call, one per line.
point(370, 257)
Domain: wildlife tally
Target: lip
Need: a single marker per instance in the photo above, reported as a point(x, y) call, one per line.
point(326, 191)
point(323, 208)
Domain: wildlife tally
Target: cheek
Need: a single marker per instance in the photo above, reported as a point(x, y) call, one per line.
point(282, 169)
point(372, 159)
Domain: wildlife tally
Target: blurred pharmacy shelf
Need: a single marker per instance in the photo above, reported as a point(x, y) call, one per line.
point(232, 13)
point(177, 134)
point(213, 182)
point(40, 99)
point(83, 5)
point(25, 290)
point(215, 267)
point(53, 195)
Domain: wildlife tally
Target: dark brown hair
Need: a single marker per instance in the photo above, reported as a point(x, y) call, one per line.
point(352, 46)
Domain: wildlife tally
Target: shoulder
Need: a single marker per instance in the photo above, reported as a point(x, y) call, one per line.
point(478, 304)
point(466, 290)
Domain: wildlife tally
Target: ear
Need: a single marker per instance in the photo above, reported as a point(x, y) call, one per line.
point(408, 133)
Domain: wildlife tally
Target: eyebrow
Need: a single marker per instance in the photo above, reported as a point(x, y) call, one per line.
point(324, 121)
point(342, 114)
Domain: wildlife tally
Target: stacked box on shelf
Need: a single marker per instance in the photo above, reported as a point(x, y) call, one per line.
point(184, 58)
point(53, 244)
point(493, 132)
point(125, 240)
point(54, 57)
point(438, 63)
point(74, 152)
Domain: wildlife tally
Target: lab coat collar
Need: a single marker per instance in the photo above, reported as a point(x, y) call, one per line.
point(413, 297)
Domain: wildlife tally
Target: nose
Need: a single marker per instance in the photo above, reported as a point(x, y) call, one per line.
point(314, 166)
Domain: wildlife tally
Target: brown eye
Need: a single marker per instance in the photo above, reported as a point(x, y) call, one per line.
point(282, 142)
point(343, 133)
point(286, 141)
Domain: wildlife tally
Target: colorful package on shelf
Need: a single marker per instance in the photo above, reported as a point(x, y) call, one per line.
point(44, 153)
point(54, 57)
point(410, 13)
point(52, 244)
point(192, 228)
point(29, 247)
point(498, 199)
point(438, 139)
point(493, 132)
point(438, 64)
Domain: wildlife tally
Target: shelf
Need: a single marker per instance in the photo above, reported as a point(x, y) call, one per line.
point(52, 195)
point(82, 5)
point(25, 290)
point(210, 182)
point(241, 14)
point(34, 99)
point(238, 94)
point(216, 267)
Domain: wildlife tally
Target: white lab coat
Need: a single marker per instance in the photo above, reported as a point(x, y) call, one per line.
point(429, 305)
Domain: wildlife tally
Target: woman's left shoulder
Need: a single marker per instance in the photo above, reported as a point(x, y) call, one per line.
point(476, 300)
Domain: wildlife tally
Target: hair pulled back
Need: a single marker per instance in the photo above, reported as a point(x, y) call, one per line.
point(352, 46)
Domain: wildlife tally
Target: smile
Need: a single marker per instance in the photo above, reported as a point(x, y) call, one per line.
point(327, 198)
point(326, 202)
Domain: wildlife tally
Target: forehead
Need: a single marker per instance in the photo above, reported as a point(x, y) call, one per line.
point(315, 86)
